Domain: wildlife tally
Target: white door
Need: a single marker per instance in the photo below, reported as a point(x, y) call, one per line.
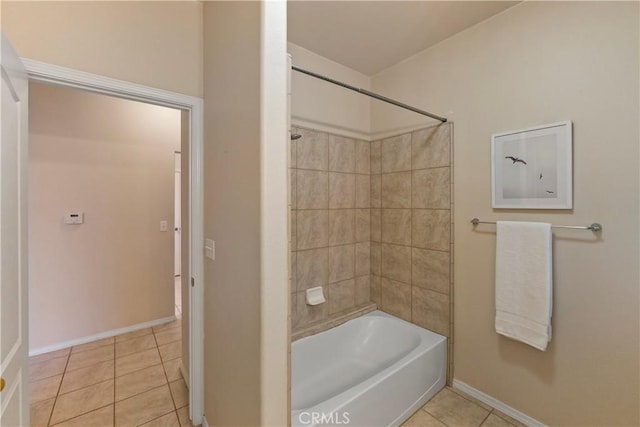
point(14, 366)
point(177, 215)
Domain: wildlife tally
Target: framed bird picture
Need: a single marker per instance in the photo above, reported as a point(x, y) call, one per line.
point(532, 168)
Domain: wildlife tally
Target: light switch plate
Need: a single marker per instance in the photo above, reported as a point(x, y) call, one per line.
point(164, 226)
point(210, 249)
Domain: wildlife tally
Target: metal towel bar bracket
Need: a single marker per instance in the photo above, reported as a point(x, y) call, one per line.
point(595, 227)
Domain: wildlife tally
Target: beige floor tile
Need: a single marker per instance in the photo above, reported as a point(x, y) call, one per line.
point(169, 420)
point(471, 398)
point(170, 351)
point(90, 375)
point(81, 401)
point(144, 407)
point(422, 419)
point(40, 413)
point(47, 368)
point(135, 345)
point(454, 410)
point(45, 388)
point(102, 417)
point(90, 357)
point(134, 334)
point(51, 355)
point(183, 417)
point(92, 345)
point(172, 369)
point(496, 421)
point(139, 381)
point(168, 335)
point(136, 361)
point(507, 418)
point(180, 393)
point(175, 324)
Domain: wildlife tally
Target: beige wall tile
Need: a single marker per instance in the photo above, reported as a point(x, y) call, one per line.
point(376, 157)
point(363, 157)
point(78, 402)
point(396, 262)
point(430, 310)
point(376, 191)
point(342, 190)
point(342, 226)
point(133, 362)
point(341, 296)
point(144, 407)
point(376, 225)
point(431, 229)
point(395, 226)
point(396, 190)
point(341, 263)
point(363, 191)
point(363, 290)
point(431, 188)
point(313, 229)
point(312, 150)
point(99, 418)
point(306, 314)
point(455, 410)
point(376, 259)
point(396, 298)
point(363, 259)
point(376, 290)
point(342, 154)
point(312, 268)
point(430, 269)
point(363, 225)
point(396, 153)
point(180, 393)
point(312, 189)
point(139, 382)
point(90, 375)
point(431, 147)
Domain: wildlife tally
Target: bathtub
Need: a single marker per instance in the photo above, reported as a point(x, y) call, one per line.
point(375, 370)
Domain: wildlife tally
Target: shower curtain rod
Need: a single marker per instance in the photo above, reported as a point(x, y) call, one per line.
point(368, 93)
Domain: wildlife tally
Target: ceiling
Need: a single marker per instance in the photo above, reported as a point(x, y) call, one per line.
point(370, 36)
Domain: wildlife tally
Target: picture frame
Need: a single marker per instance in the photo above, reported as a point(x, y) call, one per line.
point(532, 168)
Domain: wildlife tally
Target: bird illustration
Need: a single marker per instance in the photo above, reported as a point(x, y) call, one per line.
point(540, 176)
point(550, 192)
point(515, 160)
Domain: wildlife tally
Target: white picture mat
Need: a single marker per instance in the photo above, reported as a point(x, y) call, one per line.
point(532, 168)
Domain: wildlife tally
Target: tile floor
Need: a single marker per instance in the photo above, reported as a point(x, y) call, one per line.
point(452, 408)
point(132, 379)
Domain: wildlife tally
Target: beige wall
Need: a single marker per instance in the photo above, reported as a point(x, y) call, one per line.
point(330, 224)
point(320, 105)
point(232, 212)
point(154, 43)
point(536, 63)
point(113, 160)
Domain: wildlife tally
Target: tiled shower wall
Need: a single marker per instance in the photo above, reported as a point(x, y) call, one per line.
point(330, 224)
point(372, 222)
point(411, 227)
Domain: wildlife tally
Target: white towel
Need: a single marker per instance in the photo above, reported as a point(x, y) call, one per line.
point(524, 282)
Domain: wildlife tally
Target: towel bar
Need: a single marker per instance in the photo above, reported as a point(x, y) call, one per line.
point(595, 227)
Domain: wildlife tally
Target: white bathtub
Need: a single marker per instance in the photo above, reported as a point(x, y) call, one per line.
point(375, 370)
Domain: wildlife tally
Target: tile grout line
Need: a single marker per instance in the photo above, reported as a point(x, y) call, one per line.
point(165, 376)
point(64, 372)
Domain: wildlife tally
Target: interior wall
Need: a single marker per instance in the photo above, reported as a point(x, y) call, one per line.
point(322, 106)
point(112, 159)
point(536, 63)
point(232, 212)
point(154, 43)
point(330, 224)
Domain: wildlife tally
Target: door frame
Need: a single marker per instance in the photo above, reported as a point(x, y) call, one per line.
point(61, 76)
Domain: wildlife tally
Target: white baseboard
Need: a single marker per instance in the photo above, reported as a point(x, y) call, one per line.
point(495, 403)
point(101, 335)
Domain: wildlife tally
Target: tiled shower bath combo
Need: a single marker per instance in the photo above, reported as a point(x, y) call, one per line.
point(371, 223)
